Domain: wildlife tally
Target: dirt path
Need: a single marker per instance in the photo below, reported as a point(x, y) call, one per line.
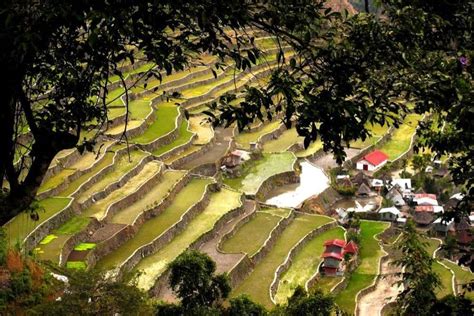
point(372, 303)
point(218, 150)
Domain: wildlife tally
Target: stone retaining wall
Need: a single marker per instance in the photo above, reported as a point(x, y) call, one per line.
point(131, 198)
point(116, 185)
point(189, 103)
point(203, 239)
point(279, 179)
point(293, 252)
point(272, 135)
point(167, 138)
point(65, 183)
point(93, 225)
point(61, 163)
point(115, 241)
point(177, 150)
point(43, 229)
point(168, 235)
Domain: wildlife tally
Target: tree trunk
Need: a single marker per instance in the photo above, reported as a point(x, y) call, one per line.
point(367, 9)
point(43, 152)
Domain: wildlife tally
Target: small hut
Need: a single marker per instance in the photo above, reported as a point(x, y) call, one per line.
point(363, 191)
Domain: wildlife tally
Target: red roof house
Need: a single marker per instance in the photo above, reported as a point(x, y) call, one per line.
point(372, 161)
point(334, 255)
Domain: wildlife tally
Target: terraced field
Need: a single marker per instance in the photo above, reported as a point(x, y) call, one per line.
point(153, 266)
point(365, 273)
point(257, 284)
point(137, 208)
point(305, 264)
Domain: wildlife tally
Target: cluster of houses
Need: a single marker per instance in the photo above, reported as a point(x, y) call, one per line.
point(232, 162)
point(423, 208)
point(336, 255)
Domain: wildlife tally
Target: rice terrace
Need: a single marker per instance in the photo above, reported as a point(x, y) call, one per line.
point(277, 214)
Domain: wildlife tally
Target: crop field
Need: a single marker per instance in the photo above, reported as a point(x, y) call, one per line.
point(153, 266)
point(255, 172)
point(173, 193)
point(257, 284)
point(305, 264)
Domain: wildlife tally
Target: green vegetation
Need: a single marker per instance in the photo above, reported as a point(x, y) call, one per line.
point(327, 284)
point(257, 171)
point(152, 198)
point(363, 276)
point(153, 266)
point(312, 149)
point(85, 246)
point(165, 121)
point(245, 138)
point(305, 264)
point(257, 284)
point(74, 225)
point(446, 280)
point(401, 137)
point(78, 265)
point(56, 180)
point(21, 225)
point(184, 136)
point(252, 235)
point(155, 226)
point(49, 238)
point(377, 132)
point(288, 138)
point(463, 276)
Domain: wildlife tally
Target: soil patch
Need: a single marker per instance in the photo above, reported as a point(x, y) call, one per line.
point(105, 232)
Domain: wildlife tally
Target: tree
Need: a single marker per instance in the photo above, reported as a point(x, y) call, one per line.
point(357, 71)
point(450, 245)
point(420, 162)
point(418, 279)
point(92, 293)
point(452, 305)
point(192, 279)
point(304, 303)
point(244, 306)
point(59, 58)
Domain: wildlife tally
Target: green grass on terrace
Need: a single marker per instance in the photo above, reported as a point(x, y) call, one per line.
point(139, 109)
point(78, 265)
point(155, 226)
point(121, 166)
point(463, 276)
point(312, 149)
point(74, 225)
point(85, 246)
point(114, 97)
point(443, 273)
point(257, 284)
point(21, 225)
point(99, 209)
point(377, 132)
point(49, 238)
point(184, 137)
point(164, 123)
point(252, 235)
point(114, 112)
point(56, 180)
point(327, 284)
point(401, 137)
point(305, 264)
point(287, 139)
point(74, 185)
point(153, 197)
point(245, 138)
point(153, 266)
point(364, 275)
point(255, 172)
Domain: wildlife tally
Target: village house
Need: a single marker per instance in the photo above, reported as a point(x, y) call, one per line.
point(443, 227)
point(423, 219)
point(333, 256)
point(364, 191)
point(395, 196)
point(372, 161)
point(361, 178)
point(425, 199)
point(389, 214)
point(235, 158)
point(403, 184)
